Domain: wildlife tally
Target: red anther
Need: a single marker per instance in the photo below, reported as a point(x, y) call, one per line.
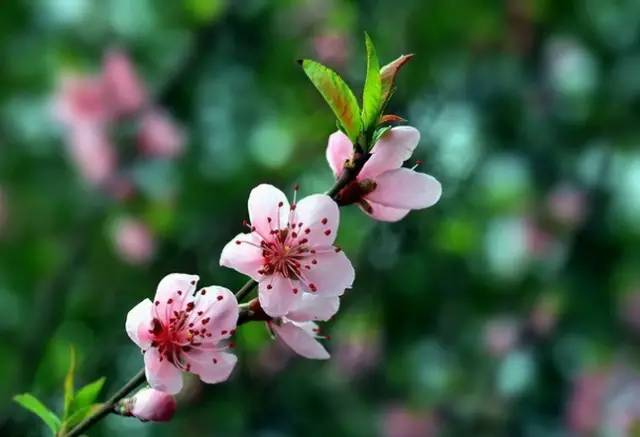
point(219, 297)
point(336, 249)
point(157, 302)
point(296, 187)
point(324, 221)
point(238, 242)
point(295, 291)
point(203, 292)
point(306, 231)
point(190, 306)
point(327, 232)
point(179, 292)
point(200, 313)
point(313, 287)
point(223, 332)
point(193, 282)
point(293, 207)
point(314, 261)
point(280, 204)
point(269, 219)
point(215, 361)
point(269, 287)
point(418, 161)
point(205, 321)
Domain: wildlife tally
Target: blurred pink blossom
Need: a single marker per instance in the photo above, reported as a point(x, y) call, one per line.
point(567, 205)
point(124, 90)
point(159, 136)
point(331, 48)
point(539, 241)
point(163, 329)
point(501, 334)
point(133, 241)
point(399, 421)
point(92, 153)
point(81, 101)
point(544, 316)
point(357, 353)
point(584, 409)
point(150, 404)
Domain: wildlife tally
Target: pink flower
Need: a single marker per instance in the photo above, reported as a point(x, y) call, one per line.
point(134, 241)
point(184, 330)
point(159, 135)
point(384, 189)
point(501, 334)
point(299, 331)
point(150, 404)
point(584, 409)
point(125, 91)
point(289, 250)
point(92, 153)
point(81, 101)
point(399, 421)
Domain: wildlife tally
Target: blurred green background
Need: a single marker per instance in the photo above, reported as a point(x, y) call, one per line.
point(512, 307)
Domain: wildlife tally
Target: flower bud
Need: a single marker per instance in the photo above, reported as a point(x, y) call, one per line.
point(150, 404)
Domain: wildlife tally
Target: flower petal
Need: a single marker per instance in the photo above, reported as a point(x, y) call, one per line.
point(211, 366)
point(276, 294)
point(330, 275)
point(339, 150)
point(301, 340)
point(245, 257)
point(161, 374)
point(220, 306)
point(172, 290)
point(138, 323)
point(320, 215)
point(313, 307)
point(265, 213)
point(390, 151)
point(385, 213)
point(405, 189)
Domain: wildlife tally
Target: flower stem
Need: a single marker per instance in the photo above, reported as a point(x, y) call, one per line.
point(108, 406)
point(246, 289)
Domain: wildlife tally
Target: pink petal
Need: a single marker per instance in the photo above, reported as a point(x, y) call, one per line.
point(277, 300)
point(385, 213)
point(245, 257)
point(320, 214)
point(301, 339)
point(313, 307)
point(331, 275)
point(405, 189)
point(92, 153)
point(211, 366)
point(138, 323)
point(339, 150)
point(390, 151)
point(161, 375)
point(220, 306)
point(172, 290)
point(264, 201)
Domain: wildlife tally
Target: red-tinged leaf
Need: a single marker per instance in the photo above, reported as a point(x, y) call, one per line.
point(338, 96)
point(392, 118)
point(388, 75)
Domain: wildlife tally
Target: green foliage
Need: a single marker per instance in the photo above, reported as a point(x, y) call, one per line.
point(338, 96)
point(68, 382)
point(87, 395)
point(31, 403)
point(372, 93)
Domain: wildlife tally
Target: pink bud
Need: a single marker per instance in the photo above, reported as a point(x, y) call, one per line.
point(151, 404)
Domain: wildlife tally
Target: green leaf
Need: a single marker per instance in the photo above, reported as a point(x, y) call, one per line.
point(87, 395)
point(379, 133)
point(31, 403)
point(372, 93)
point(337, 94)
point(388, 75)
point(68, 382)
point(79, 415)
